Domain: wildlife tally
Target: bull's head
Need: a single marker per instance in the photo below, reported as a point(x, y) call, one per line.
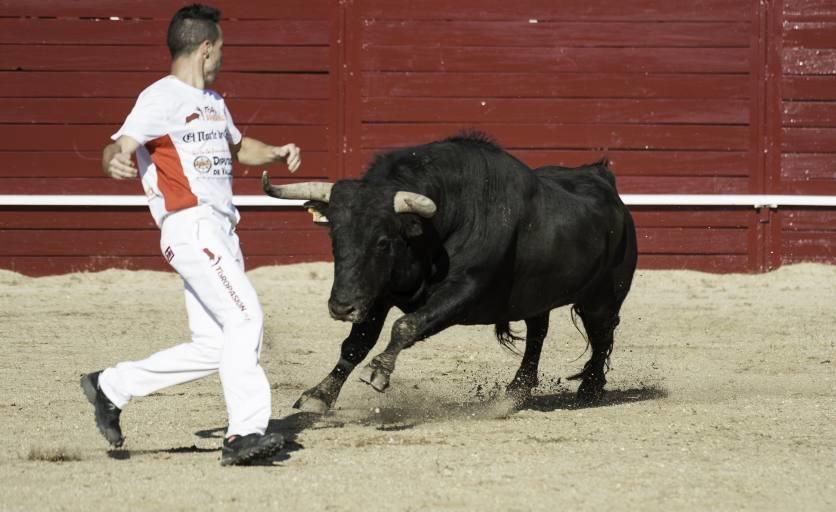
point(375, 238)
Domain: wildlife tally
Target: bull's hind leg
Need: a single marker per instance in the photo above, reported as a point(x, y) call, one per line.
point(320, 398)
point(599, 321)
point(599, 311)
point(526, 378)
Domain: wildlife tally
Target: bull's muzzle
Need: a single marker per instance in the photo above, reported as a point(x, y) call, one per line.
point(346, 312)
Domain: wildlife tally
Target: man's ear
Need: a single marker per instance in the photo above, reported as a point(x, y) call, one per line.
point(317, 209)
point(413, 227)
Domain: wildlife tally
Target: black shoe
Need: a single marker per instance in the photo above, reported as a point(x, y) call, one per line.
point(240, 450)
point(107, 414)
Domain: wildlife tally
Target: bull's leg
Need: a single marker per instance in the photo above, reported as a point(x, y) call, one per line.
point(526, 378)
point(437, 314)
point(599, 312)
point(600, 322)
point(320, 398)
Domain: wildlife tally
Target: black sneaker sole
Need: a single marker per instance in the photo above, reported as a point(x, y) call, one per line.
point(255, 453)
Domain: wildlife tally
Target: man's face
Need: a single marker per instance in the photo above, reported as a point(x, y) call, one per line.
point(214, 59)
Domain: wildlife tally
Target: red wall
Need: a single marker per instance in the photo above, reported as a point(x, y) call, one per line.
point(708, 96)
point(802, 129)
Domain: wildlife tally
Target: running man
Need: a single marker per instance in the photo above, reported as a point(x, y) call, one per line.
point(185, 143)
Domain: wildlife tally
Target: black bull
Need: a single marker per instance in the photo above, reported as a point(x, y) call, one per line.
point(459, 232)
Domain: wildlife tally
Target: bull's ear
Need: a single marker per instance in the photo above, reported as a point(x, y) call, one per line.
point(413, 228)
point(317, 209)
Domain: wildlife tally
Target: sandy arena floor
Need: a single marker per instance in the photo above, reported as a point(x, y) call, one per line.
point(722, 396)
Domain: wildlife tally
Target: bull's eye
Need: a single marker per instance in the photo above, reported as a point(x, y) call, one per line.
point(383, 244)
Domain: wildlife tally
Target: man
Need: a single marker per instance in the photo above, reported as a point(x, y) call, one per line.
point(185, 141)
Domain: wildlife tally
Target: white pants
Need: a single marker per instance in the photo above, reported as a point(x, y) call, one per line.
point(225, 319)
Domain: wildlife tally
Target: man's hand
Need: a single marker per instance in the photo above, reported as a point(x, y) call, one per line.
point(121, 167)
point(253, 152)
point(116, 159)
point(290, 154)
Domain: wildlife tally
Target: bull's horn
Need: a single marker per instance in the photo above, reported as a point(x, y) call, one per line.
point(410, 202)
point(311, 190)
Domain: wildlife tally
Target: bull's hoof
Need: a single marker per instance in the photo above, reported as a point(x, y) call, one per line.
point(377, 378)
point(590, 392)
point(312, 404)
point(520, 388)
point(517, 394)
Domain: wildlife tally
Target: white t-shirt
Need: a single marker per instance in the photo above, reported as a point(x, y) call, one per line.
point(184, 158)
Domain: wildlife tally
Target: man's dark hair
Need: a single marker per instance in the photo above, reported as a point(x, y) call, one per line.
point(191, 26)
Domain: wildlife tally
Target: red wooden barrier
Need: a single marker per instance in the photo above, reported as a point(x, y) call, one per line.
point(707, 96)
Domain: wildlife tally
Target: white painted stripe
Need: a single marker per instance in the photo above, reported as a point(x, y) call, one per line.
point(753, 200)
point(102, 200)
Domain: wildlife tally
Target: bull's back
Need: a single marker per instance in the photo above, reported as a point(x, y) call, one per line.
point(561, 174)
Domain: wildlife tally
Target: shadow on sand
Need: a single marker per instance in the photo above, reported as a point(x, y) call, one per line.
point(568, 401)
point(406, 411)
point(409, 410)
point(125, 454)
point(289, 427)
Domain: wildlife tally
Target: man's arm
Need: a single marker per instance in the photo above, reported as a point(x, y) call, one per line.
point(254, 152)
point(116, 158)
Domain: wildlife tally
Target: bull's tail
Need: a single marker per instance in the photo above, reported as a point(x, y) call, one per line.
point(575, 313)
point(506, 337)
